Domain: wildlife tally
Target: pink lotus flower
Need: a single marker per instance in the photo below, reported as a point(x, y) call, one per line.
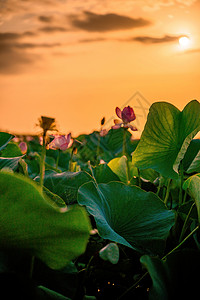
point(61, 142)
point(127, 115)
point(23, 147)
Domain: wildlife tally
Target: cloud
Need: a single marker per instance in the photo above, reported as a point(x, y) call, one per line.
point(32, 45)
point(52, 29)
point(10, 36)
point(45, 19)
point(92, 40)
point(14, 55)
point(155, 40)
point(106, 22)
point(20, 6)
point(13, 61)
point(141, 39)
point(153, 5)
point(8, 8)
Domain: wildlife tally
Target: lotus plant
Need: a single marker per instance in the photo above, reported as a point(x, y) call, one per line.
point(45, 124)
point(61, 143)
point(126, 115)
point(102, 132)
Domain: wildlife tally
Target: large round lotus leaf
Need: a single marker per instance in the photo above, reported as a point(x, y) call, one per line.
point(128, 215)
point(29, 222)
point(166, 137)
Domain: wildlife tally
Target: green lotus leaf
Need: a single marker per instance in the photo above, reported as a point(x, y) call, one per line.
point(166, 137)
point(104, 174)
point(191, 161)
point(119, 166)
point(5, 139)
point(11, 150)
point(29, 222)
point(128, 215)
point(65, 184)
point(10, 162)
point(123, 168)
point(192, 185)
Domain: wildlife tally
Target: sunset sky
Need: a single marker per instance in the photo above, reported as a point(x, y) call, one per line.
point(77, 60)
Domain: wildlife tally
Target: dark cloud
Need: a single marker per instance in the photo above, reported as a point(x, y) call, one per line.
point(155, 40)
point(45, 19)
point(107, 22)
point(7, 36)
point(141, 39)
point(13, 62)
point(14, 54)
point(32, 45)
point(10, 36)
point(92, 40)
point(52, 29)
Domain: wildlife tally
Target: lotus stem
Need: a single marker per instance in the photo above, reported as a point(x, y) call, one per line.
point(184, 228)
point(42, 160)
point(159, 187)
point(32, 266)
point(139, 178)
point(124, 142)
point(98, 148)
point(133, 286)
point(71, 160)
point(181, 243)
point(181, 174)
point(57, 159)
point(167, 192)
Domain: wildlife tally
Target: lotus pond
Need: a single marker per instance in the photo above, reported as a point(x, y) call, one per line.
point(103, 216)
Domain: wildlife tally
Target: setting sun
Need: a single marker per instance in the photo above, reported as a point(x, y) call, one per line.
point(184, 42)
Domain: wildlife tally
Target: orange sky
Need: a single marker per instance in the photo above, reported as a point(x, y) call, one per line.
point(77, 60)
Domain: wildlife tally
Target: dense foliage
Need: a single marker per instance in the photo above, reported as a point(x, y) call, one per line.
point(103, 216)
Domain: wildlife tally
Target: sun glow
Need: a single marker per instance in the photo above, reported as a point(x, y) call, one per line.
point(184, 42)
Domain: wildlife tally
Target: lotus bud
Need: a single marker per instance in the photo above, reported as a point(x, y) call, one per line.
point(23, 147)
point(103, 121)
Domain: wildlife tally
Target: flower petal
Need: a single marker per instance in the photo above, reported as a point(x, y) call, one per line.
point(64, 147)
point(68, 138)
point(133, 128)
point(23, 147)
point(118, 112)
point(128, 114)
